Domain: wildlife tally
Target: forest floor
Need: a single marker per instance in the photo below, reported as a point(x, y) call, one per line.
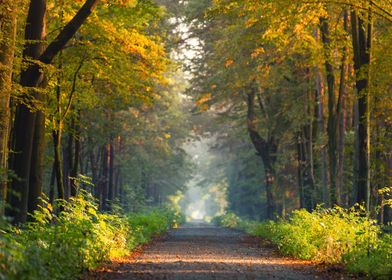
point(201, 251)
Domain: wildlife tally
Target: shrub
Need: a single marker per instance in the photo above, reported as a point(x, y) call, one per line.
point(229, 220)
point(61, 246)
point(145, 226)
point(375, 262)
point(327, 235)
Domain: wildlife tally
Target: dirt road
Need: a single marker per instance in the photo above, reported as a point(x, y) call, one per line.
point(200, 251)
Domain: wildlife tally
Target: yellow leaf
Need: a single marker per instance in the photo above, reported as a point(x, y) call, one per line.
point(205, 98)
point(229, 62)
point(250, 22)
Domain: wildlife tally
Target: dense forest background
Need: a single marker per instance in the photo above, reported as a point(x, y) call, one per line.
point(299, 100)
point(258, 107)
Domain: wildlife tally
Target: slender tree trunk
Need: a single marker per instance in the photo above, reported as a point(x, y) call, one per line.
point(51, 184)
point(323, 156)
point(309, 133)
point(312, 132)
point(356, 152)
point(341, 115)
point(362, 42)
point(121, 191)
point(7, 49)
point(67, 163)
point(117, 182)
point(118, 167)
point(75, 165)
point(111, 172)
point(378, 180)
point(143, 181)
point(105, 176)
point(56, 135)
point(94, 173)
point(301, 160)
point(308, 178)
point(387, 209)
point(341, 156)
point(331, 128)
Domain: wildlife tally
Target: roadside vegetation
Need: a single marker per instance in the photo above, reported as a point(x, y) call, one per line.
point(61, 245)
point(331, 236)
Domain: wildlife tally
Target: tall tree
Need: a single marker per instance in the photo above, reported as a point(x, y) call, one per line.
point(331, 127)
point(267, 149)
point(8, 14)
point(26, 113)
point(29, 125)
point(362, 32)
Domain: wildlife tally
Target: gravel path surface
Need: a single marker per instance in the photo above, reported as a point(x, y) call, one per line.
point(200, 251)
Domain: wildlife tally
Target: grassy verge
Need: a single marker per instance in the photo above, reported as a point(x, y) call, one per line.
point(79, 238)
point(327, 235)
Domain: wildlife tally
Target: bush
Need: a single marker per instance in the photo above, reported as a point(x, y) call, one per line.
point(145, 226)
point(62, 246)
point(327, 235)
point(376, 261)
point(229, 220)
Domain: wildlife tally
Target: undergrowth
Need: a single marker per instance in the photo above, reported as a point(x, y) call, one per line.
point(326, 235)
point(62, 246)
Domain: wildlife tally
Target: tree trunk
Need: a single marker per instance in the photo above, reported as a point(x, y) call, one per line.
point(308, 177)
point(300, 168)
point(269, 184)
point(105, 176)
point(117, 182)
point(309, 132)
point(32, 77)
point(56, 135)
point(331, 128)
point(341, 116)
point(362, 42)
point(51, 184)
point(94, 173)
point(323, 156)
point(67, 164)
point(387, 209)
point(111, 172)
point(266, 150)
point(355, 152)
point(7, 49)
point(75, 165)
point(37, 163)
point(24, 123)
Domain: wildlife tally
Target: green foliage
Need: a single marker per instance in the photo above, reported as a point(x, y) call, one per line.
point(375, 262)
point(326, 235)
point(229, 220)
point(61, 246)
point(145, 225)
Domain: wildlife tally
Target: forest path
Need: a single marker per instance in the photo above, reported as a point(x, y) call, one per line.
point(201, 251)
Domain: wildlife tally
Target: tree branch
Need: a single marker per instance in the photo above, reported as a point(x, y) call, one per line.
point(381, 11)
point(68, 31)
point(73, 88)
